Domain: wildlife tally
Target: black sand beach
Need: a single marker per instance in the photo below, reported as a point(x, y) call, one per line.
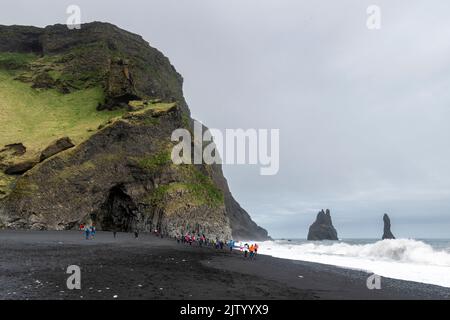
point(33, 266)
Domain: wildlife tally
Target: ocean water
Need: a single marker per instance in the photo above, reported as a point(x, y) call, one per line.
point(421, 260)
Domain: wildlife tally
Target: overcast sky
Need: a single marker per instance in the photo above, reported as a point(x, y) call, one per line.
point(363, 114)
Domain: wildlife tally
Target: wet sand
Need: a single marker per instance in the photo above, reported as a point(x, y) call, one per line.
point(33, 265)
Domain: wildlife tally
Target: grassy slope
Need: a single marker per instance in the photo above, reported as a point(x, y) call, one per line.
point(36, 118)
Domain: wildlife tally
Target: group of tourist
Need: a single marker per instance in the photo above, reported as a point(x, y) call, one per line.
point(200, 240)
point(249, 250)
point(89, 231)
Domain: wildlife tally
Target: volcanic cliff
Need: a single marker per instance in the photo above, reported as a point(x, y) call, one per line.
point(86, 118)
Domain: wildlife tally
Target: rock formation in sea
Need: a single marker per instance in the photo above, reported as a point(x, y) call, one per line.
point(387, 234)
point(88, 138)
point(322, 228)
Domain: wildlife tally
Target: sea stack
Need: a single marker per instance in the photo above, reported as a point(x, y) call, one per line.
point(322, 228)
point(387, 234)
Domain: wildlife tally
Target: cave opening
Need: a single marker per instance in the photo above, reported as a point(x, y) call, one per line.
point(119, 212)
point(36, 47)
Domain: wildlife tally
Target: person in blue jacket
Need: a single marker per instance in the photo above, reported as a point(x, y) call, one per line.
point(231, 245)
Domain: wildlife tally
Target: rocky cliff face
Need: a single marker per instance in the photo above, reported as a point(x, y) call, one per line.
point(118, 174)
point(322, 228)
point(387, 234)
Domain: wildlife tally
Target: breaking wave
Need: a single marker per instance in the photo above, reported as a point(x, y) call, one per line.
point(404, 259)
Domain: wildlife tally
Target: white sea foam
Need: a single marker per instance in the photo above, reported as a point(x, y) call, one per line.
point(403, 259)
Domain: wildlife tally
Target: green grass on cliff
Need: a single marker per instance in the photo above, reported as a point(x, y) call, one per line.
point(36, 118)
point(192, 192)
point(157, 162)
point(15, 61)
point(196, 187)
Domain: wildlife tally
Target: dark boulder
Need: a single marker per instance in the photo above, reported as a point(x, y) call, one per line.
point(16, 149)
point(322, 228)
point(9, 152)
point(387, 234)
point(56, 147)
point(20, 168)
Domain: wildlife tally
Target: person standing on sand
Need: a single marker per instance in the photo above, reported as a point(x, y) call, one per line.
point(114, 233)
point(252, 251)
point(93, 231)
point(136, 234)
point(256, 249)
point(231, 245)
point(87, 232)
point(246, 250)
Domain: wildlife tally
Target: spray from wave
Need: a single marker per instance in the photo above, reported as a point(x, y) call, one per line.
point(404, 259)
